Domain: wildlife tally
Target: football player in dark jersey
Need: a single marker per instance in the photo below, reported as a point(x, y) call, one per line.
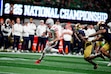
point(104, 30)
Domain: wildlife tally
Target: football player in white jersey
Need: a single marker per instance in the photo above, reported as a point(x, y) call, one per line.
point(53, 39)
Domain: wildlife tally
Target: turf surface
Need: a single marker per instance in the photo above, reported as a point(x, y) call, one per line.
point(24, 63)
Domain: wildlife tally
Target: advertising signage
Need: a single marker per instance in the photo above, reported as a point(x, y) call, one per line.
point(50, 12)
point(1, 7)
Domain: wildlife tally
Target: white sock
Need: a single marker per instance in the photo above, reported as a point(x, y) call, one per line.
point(54, 50)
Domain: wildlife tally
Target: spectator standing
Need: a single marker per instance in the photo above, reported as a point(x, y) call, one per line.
point(1, 34)
point(32, 28)
point(6, 30)
point(67, 36)
point(41, 33)
point(17, 33)
point(59, 27)
point(90, 31)
point(25, 35)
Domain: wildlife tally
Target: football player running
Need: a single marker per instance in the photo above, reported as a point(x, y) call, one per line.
point(53, 39)
point(88, 46)
point(104, 30)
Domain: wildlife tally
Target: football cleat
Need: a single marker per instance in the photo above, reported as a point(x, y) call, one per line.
point(95, 66)
point(38, 62)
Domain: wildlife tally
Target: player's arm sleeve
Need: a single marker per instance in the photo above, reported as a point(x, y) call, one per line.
point(98, 32)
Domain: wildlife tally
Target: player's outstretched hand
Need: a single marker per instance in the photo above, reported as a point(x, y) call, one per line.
point(85, 37)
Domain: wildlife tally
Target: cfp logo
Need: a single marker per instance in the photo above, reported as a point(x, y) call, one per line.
point(15, 9)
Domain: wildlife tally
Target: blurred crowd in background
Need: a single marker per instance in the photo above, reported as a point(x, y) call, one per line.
point(96, 5)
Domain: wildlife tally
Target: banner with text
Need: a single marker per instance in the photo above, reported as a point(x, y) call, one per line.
point(41, 11)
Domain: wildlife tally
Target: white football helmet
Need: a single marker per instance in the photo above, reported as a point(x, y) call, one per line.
point(50, 21)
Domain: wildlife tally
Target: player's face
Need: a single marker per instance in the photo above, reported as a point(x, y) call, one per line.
point(49, 26)
point(101, 27)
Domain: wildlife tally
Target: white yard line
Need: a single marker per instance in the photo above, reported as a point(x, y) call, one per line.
point(22, 59)
point(39, 70)
point(8, 73)
point(69, 55)
point(103, 62)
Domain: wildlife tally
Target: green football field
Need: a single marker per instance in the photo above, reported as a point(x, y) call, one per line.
point(24, 63)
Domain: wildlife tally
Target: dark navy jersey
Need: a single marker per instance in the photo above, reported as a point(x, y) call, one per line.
point(81, 32)
point(107, 34)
